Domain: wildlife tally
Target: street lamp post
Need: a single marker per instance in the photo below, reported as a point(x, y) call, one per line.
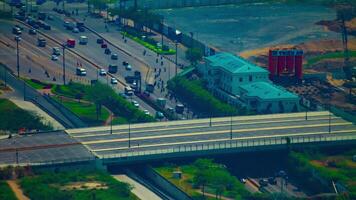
point(111, 117)
point(329, 119)
point(64, 64)
point(129, 135)
point(231, 127)
point(18, 39)
point(176, 57)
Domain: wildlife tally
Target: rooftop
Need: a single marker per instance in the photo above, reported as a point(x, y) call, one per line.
point(267, 91)
point(234, 64)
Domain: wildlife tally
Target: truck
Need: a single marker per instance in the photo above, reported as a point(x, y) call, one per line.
point(83, 40)
point(112, 68)
point(70, 43)
point(41, 42)
point(150, 84)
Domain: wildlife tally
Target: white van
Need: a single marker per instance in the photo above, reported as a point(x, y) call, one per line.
point(81, 71)
point(83, 40)
point(56, 51)
point(128, 91)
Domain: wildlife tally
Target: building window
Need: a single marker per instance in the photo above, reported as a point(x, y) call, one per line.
point(240, 79)
point(250, 78)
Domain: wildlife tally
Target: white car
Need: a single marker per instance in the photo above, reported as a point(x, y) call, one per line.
point(135, 103)
point(128, 67)
point(54, 57)
point(102, 72)
point(146, 112)
point(113, 81)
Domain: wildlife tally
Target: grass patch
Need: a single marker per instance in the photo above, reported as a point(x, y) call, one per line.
point(119, 120)
point(334, 55)
point(5, 191)
point(85, 110)
point(58, 186)
point(16, 118)
point(205, 174)
point(36, 84)
point(149, 46)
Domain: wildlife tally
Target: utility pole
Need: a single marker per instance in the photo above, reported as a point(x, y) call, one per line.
point(18, 39)
point(230, 127)
point(306, 111)
point(176, 57)
point(64, 65)
point(129, 135)
point(111, 116)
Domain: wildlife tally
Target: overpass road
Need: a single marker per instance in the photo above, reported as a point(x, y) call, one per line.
point(139, 141)
point(164, 135)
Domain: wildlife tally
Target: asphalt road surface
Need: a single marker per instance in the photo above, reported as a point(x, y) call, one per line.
point(154, 136)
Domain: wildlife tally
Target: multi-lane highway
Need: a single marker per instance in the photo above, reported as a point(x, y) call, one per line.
point(160, 136)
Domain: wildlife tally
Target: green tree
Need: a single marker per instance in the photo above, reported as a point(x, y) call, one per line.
point(194, 55)
point(98, 94)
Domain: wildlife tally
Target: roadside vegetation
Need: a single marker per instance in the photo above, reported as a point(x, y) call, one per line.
point(205, 179)
point(312, 165)
point(36, 84)
point(78, 185)
point(13, 118)
point(96, 97)
point(5, 192)
point(199, 99)
point(334, 55)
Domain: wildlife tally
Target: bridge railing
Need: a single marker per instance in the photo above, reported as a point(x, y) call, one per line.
point(233, 144)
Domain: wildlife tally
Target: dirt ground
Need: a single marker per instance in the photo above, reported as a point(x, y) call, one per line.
point(85, 186)
point(17, 190)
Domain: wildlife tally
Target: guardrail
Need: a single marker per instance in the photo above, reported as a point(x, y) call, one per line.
point(52, 162)
point(234, 144)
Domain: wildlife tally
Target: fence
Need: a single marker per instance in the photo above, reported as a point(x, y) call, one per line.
point(235, 144)
point(67, 119)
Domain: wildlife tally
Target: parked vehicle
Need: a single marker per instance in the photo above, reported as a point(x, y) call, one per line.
point(113, 68)
point(102, 72)
point(41, 16)
point(83, 40)
point(124, 63)
point(54, 57)
point(272, 180)
point(135, 103)
point(263, 182)
point(128, 67)
point(41, 42)
point(159, 115)
point(179, 108)
point(100, 41)
point(104, 46)
point(70, 43)
point(146, 112)
point(107, 51)
point(16, 31)
point(150, 84)
point(81, 71)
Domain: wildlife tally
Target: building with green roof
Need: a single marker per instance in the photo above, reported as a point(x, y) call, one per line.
point(242, 83)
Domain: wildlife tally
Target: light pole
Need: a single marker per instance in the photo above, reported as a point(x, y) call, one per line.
point(176, 56)
point(230, 127)
point(111, 117)
point(18, 39)
point(329, 118)
point(129, 135)
point(64, 64)
point(162, 31)
point(306, 111)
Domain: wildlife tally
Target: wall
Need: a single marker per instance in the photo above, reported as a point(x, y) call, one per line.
point(182, 3)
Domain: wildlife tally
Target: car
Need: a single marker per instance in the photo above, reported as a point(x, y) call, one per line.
point(123, 95)
point(107, 51)
point(128, 67)
point(272, 180)
point(99, 41)
point(32, 31)
point(159, 115)
point(66, 23)
point(170, 110)
point(146, 112)
point(124, 63)
point(113, 81)
point(134, 85)
point(102, 72)
point(56, 51)
point(243, 180)
point(104, 46)
point(81, 29)
point(75, 30)
point(16, 31)
point(20, 27)
point(263, 182)
point(135, 103)
point(114, 56)
point(54, 57)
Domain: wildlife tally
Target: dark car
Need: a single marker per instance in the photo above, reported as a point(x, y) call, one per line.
point(124, 63)
point(272, 180)
point(81, 29)
point(46, 27)
point(32, 31)
point(104, 46)
point(263, 182)
point(107, 51)
point(99, 40)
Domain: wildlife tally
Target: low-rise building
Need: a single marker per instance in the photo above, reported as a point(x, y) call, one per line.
point(242, 83)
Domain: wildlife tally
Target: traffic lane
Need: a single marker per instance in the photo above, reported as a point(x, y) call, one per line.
point(213, 135)
point(156, 126)
point(137, 147)
point(238, 127)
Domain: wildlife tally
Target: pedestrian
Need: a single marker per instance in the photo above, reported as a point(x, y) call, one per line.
point(155, 69)
point(29, 70)
point(156, 60)
point(161, 63)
